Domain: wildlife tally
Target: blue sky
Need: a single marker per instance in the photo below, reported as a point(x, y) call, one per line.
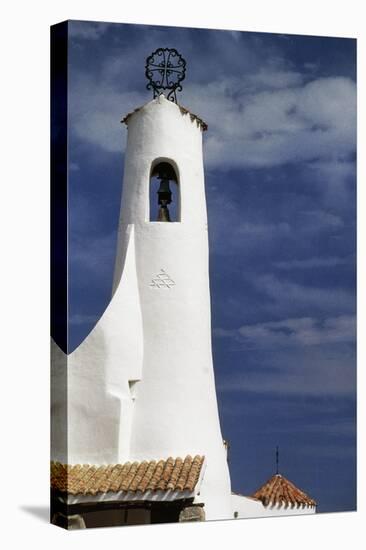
point(279, 156)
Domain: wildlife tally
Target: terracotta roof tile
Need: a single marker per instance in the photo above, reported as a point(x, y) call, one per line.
point(149, 472)
point(184, 473)
point(156, 475)
point(279, 490)
point(104, 481)
point(174, 474)
point(113, 481)
point(195, 471)
point(166, 474)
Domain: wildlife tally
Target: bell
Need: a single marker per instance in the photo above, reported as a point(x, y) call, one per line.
point(163, 214)
point(164, 198)
point(164, 192)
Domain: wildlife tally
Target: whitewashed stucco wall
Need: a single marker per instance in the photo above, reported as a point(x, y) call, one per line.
point(153, 341)
point(175, 409)
point(97, 375)
point(246, 507)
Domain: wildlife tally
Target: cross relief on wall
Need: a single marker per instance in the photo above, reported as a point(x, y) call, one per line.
point(162, 280)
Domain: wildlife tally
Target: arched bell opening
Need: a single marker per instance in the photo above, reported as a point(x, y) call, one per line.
point(164, 196)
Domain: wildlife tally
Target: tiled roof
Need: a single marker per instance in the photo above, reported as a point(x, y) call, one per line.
point(172, 474)
point(279, 490)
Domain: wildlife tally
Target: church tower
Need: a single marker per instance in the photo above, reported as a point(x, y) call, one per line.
point(141, 385)
point(175, 409)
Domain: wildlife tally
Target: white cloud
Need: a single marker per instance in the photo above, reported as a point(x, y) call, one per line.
point(303, 331)
point(262, 231)
point(86, 30)
point(262, 119)
point(96, 111)
point(251, 233)
point(314, 262)
point(316, 220)
point(283, 295)
point(327, 369)
point(334, 175)
point(316, 120)
point(267, 78)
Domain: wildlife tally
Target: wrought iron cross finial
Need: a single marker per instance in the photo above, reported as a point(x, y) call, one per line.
point(165, 69)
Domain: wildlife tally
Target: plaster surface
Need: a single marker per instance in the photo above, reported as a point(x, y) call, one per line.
point(247, 507)
point(141, 385)
point(176, 408)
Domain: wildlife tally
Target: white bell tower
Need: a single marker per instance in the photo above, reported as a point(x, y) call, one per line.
point(141, 386)
point(175, 409)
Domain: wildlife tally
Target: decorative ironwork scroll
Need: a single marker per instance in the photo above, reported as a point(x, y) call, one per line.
point(165, 69)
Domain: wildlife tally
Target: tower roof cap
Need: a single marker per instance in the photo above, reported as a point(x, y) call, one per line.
point(182, 109)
